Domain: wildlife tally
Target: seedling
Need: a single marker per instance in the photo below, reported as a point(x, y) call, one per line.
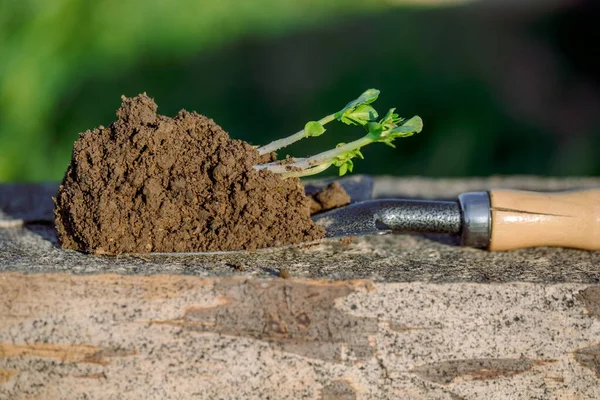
point(357, 112)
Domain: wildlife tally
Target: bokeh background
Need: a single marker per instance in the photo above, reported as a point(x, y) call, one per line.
point(504, 87)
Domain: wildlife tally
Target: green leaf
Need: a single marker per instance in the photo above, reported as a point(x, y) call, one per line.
point(313, 128)
point(391, 132)
point(408, 128)
point(391, 119)
point(389, 115)
point(343, 169)
point(399, 132)
point(375, 129)
point(367, 97)
point(415, 125)
point(344, 161)
point(361, 115)
point(348, 120)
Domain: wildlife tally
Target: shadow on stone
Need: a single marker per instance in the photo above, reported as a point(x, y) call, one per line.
point(29, 206)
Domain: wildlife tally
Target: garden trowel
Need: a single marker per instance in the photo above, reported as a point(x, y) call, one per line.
point(494, 220)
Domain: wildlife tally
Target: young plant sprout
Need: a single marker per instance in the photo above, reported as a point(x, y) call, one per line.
point(357, 112)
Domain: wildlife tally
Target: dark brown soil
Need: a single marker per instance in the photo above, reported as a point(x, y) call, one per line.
point(331, 196)
point(150, 183)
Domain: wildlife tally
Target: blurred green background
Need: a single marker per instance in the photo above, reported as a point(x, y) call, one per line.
point(504, 87)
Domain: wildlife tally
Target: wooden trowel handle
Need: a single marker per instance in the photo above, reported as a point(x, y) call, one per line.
point(527, 219)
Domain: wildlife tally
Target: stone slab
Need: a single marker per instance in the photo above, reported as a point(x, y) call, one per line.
point(105, 336)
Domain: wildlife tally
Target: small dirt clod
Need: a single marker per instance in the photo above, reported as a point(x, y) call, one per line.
point(331, 196)
point(150, 183)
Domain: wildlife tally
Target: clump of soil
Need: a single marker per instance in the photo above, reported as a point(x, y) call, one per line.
point(150, 183)
point(331, 196)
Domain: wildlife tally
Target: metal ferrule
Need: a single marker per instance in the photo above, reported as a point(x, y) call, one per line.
point(420, 216)
point(476, 217)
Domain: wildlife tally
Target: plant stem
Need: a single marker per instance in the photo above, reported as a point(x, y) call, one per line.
point(306, 172)
point(309, 163)
point(280, 143)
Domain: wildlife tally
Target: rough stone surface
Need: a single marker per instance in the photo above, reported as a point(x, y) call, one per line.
point(383, 317)
point(173, 336)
